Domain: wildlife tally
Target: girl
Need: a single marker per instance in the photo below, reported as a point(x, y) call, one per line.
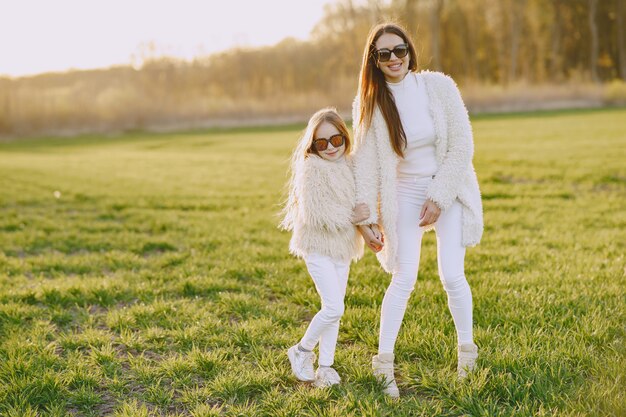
point(321, 213)
point(414, 162)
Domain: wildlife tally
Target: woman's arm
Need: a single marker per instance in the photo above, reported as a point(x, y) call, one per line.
point(447, 182)
point(365, 166)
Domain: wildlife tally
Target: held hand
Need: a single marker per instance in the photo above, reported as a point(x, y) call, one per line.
point(377, 232)
point(374, 242)
point(361, 212)
point(429, 214)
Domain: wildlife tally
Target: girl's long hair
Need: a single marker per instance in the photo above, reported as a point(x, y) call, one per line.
point(373, 89)
point(304, 148)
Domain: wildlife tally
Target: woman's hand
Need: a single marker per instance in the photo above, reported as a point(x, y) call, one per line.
point(429, 214)
point(374, 239)
point(360, 213)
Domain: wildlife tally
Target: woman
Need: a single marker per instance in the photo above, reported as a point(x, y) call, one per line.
point(413, 168)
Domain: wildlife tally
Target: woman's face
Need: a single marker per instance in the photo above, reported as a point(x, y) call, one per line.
point(396, 68)
point(326, 130)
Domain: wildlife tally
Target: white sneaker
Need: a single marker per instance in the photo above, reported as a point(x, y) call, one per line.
point(325, 377)
point(301, 363)
point(467, 355)
point(383, 370)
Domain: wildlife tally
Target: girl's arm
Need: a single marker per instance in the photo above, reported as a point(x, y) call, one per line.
point(447, 182)
point(317, 205)
point(365, 165)
point(360, 213)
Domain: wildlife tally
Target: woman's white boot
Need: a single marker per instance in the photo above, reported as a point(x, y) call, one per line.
point(383, 370)
point(326, 376)
point(467, 355)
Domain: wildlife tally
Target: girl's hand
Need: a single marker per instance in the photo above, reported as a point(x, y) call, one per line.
point(372, 236)
point(429, 214)
point(376, 230)
point(361, 212)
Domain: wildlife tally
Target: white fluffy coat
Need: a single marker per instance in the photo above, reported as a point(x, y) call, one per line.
point(322, 222)
point(375, 165)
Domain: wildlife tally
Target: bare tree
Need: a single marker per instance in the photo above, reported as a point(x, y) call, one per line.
point(621, 50)
point(410, 16)
point(556, 61)
point(350, 25)
point(593, 27)
point(375, 7)
point(435, 29)
point(516, 19)
point(496, 20)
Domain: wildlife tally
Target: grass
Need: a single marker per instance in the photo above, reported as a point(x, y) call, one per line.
point(155, 282)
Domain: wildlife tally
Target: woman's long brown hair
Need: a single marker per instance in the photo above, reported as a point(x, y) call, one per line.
point(373, 88)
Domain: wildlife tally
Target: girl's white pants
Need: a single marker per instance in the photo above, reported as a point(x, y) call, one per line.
point(411, 193)
point(330, 277)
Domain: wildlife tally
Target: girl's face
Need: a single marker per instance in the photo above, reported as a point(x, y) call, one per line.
point(396, 68)
point(326, 131)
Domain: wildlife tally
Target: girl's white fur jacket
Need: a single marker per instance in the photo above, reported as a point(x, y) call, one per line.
point(375, 165)
point(321, 217)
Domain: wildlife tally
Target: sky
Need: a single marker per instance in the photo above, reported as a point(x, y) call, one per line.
point(57, 35)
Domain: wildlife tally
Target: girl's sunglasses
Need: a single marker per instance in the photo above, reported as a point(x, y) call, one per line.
point(321, 144)
point(384, 54)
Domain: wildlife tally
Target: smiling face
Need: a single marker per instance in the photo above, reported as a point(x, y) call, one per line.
point(396, 68)
point(326, 130)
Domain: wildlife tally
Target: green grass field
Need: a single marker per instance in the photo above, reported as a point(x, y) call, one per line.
point(155, 281)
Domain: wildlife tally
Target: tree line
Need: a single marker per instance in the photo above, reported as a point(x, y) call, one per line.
point(478, 42)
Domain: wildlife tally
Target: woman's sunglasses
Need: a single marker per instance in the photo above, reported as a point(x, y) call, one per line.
point(321, 144)
point(384, 54)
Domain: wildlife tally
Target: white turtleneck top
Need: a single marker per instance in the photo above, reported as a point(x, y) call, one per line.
point(411, 100)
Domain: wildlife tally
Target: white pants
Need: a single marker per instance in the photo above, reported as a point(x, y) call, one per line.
point(450, 258)
point(330, 277)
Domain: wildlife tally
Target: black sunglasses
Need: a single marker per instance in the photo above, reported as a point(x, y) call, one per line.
point(321, 144)
point(384, 54)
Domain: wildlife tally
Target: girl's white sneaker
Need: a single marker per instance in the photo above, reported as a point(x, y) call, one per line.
point(467, 355)
point(383, 370)
point(301, 363)
point(326, 376)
